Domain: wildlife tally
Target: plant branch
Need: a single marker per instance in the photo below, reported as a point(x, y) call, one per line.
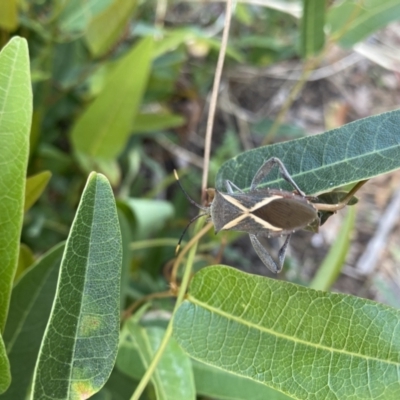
point(214, 94)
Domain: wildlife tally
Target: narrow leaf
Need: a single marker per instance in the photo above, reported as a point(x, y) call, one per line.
point(35, 186)
point(107, 27)
point(31, 301)
point(103, 129)
point(354, 20)
point(173, 377)
point(333, 263)
point(305, 343)
point(5, 375)
point(15, 120)
point(81, 339)
point(367, 148)
point(312, 27)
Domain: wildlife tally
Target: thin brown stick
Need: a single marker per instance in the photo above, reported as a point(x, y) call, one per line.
point(214, 94)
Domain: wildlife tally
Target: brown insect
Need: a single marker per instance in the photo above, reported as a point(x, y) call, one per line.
point(266, 212)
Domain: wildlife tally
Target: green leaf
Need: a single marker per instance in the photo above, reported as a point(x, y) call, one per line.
point(320, 163)
point(305, 343)
point(333, 263)
point(217, 383)
point(31, 302)
point(118, 387)
point(173, 377)
point(5, 375)
point(15, 120)
point(126, 237)
point(35, 186)
point(312, 27)
point(103, 129)
point(77, 14)
point(9, 15)
point(106, 28)
point(80, 344)
point(150, 215)
point(355, 20)
point(25, 259)
point(156, 122)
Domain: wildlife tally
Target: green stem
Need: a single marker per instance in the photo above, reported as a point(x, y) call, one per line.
point(168, 333)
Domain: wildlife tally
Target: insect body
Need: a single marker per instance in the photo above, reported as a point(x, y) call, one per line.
point(265, 212)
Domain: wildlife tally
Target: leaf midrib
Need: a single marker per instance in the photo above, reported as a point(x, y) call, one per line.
point(332, 165)
point(281, 335)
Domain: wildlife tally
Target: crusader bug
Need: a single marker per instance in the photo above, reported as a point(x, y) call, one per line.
point(264, 212)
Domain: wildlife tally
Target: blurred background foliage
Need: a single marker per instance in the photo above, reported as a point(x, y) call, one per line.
point(122, 87)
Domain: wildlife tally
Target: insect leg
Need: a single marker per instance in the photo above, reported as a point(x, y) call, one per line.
point(265, 169)
point(229, 185)
point(266, 258)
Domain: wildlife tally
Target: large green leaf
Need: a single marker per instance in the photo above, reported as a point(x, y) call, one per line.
point(103, 129)
point(312, 27)
point(81, 339)
point(5, 375)
point(15, 120)
point(219, 384)
point(31, 301)
point(356, 151)
point(305, 343)
point(173, 377)
point(355, 20)
point(106, 28)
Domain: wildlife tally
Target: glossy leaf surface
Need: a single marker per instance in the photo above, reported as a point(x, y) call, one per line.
point(305, 343)
point(15, 122)
point(81, 339)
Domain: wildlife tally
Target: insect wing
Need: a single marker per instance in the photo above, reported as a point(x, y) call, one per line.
point(289, 214)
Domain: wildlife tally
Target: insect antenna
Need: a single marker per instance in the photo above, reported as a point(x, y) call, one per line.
point(187, 196)
point(193, 219)
point(178, 246)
